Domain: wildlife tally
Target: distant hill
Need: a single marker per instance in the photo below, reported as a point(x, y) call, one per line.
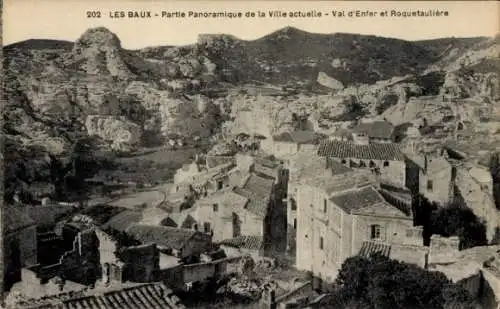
point(40, 44)
point(441, 46)
point(291, 54)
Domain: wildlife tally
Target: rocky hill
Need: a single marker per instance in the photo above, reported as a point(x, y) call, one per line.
point(58, 92)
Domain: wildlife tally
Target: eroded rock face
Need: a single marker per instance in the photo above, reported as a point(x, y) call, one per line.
point(100, 51)
point(122, 134)
point(464, 84)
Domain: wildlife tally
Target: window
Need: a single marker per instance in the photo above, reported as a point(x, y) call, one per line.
point(295, 223)
point(344, 161)
point(321, 243)
point(430, 185)
point(386, 163)
point(206, 227)
point(375, 231)
point(220, 185)
point(215, 207)
point(325, 205)
point(293, 204)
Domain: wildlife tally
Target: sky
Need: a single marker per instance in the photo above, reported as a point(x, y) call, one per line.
point(67, 20)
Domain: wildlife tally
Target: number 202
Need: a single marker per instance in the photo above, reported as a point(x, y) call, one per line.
point(93, 14)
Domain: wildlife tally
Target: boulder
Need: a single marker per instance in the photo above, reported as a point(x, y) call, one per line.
point(329, 82)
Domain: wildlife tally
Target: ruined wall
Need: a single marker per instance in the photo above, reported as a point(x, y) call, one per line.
point(478, 199)
point(141, 262)
point(443, 250)
point(412, 254)
point(28, 245)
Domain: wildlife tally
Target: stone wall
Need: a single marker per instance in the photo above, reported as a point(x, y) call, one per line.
point(443, 250)
point(411, 254)
point(441, 185)
point(478, 199)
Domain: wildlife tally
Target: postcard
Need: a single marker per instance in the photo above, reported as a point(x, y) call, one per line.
point(253, 154)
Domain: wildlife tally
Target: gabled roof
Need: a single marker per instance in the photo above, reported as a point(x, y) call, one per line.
point(366, 201)
point(298, 137)
point(15, 219)
point(168, 237)
point(348, 149)
point(376, 129)
point(123, 220)
point(144, 296)
point(251, 242)
point(257, 189)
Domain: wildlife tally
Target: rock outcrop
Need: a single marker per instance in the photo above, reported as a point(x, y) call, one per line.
point(122, 135)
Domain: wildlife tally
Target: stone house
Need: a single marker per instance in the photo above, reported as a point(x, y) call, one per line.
point(333, 226)
point(374, 132)
point(384, 159)
point(181, 243)
point(20, 244)
point(252, 209)
point(223, 215)
point(437, 179)
point(205, 181)
point(289, 143)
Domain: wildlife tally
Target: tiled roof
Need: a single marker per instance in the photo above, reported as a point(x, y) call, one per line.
point(357, 199)
point(123, 220)
point(298, 137)
point(145, 296)
point(347, 149)
point(102, 213)
point(251, 242)
point(372, 247)
point(164, 236)
point(376, 129)
point(257, 189)
point(15, 219)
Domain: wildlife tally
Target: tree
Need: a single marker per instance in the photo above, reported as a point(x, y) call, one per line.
point(451, 220)
point(377, 282)
point(456, 220)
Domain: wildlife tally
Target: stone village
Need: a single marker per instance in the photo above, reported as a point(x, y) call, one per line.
point(301, 199)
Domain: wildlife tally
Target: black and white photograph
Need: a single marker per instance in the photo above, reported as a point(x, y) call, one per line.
point(260, 155)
